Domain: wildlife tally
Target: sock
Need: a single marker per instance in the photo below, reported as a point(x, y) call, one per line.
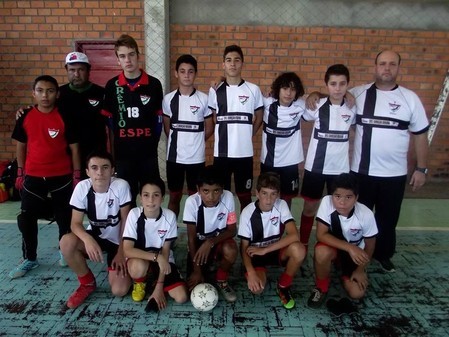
point(221, 275)
point(140, 279)
point(285, 280)
point(323, 284)
point(305, 228)
point(88, 279)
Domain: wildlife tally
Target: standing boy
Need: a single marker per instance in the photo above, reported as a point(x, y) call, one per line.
point(133, 102)
point(43, 135)
point(105, 200)
point(187, 124)
point(328, 153)
point(149, 233)
point(346, 230)
point(238, 109)
point(281, 138)
point(262, 226)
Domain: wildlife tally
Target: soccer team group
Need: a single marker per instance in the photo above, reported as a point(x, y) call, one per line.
point(62, 151)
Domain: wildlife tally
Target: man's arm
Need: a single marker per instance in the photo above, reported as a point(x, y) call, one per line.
point(21, 150)
point(246, 259)
point(418, 178)
point(208, 127)
point(167, 124)
point(258, 118)
point(76, 161)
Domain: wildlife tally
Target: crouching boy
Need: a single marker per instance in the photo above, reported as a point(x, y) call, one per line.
point(262, 226)
point(346, 231)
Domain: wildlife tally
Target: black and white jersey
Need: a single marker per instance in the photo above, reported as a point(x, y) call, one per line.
point(384, 120)
point(281, 136)
point(150, 234)
point(102, 209)
point(234, 106)
point(264, 228)
point(186, 143)
point(358, 225)
point(210, 221)
point(328, 151)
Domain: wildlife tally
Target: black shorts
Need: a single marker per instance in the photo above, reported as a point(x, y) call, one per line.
point(242, 168)
point(289, 178)
point(110, 248)
point(313, 185)
point(176, 173)
point(172, 280)
point(270, 259)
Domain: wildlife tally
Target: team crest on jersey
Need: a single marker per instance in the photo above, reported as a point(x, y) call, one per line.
point(53, 133)
point(145, 99)
point(110, 203)
point(294, 115)
point(354, 231)
point(394, 107)
point(346, 117)
point(161, 232)
point(274, 221)
point(194, 109)
point(243, 99)
point(220, 216)
point(94, 102)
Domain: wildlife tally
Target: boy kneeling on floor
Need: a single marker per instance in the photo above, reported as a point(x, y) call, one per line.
point(346, 233)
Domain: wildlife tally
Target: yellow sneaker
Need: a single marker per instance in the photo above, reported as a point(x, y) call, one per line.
point(138, 293)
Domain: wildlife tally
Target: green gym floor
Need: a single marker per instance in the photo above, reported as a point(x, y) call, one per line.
point(413, 301)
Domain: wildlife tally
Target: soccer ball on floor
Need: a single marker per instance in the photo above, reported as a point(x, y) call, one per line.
point(204, 297)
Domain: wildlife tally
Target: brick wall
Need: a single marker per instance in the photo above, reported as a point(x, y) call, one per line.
point(309, 51)
point(36, 36)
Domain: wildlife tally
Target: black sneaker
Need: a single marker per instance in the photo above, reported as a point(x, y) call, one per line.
point(316, 298)
point(286, 297)
point(387, 265)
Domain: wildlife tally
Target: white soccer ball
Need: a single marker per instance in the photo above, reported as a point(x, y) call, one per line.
point(204, 297)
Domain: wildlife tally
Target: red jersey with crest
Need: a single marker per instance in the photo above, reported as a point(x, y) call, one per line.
point(47, 136)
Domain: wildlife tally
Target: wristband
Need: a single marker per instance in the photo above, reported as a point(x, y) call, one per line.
point(20, 172)
point(155, 256)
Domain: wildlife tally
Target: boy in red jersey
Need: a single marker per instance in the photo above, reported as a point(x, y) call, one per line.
point(45, 166)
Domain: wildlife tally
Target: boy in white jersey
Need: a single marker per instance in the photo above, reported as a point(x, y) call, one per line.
point(268, 236)
point(328, 152)
point(238, 107)
point(105, 200)
point(281, 138)
point(211, 226)
point(187, 124)
point(346, 230)
point(149, 233)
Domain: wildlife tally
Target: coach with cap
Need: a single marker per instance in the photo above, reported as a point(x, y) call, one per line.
point(84, 100)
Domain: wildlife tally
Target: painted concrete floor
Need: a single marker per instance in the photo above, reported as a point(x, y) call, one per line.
point(413, 301)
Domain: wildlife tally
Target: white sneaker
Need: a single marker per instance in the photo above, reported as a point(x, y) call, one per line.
point(24, 267)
